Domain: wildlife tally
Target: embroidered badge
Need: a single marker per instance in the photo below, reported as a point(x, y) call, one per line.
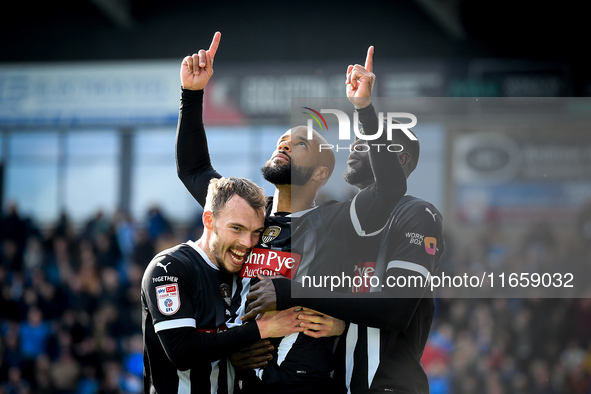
point(169, 300)
point(270, 233)
point(226, 293)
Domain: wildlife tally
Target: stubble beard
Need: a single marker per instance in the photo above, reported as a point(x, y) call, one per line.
point(217, 253)
point(286, 174)
point(361, 175)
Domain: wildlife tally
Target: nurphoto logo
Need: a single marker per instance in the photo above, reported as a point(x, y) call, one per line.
point(344, 122)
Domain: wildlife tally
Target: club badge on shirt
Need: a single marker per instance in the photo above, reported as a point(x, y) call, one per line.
point(270, 233)
point(168, 297)
point(226, 293)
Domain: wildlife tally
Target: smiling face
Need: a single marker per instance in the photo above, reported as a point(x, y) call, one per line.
point(235, 231)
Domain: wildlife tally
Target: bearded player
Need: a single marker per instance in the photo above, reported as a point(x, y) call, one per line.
point(302, 364)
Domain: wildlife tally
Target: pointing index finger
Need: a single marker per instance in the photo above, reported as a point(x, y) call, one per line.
point(369, 59)
point(215, 42)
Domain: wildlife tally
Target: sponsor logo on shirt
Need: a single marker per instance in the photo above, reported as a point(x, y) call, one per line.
point(168, 299)
point(430, 245)
point(431, 213)
point(270, 263)
point(159, 264)
point(415, 238)
point(362, 270)
point(419, 239)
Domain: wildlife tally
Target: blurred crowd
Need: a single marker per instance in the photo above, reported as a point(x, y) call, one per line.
point(70, 316)
point(516, 345)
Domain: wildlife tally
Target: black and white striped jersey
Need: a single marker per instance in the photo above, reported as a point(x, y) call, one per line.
point(389, 325)
point(291, 364)
point(186, 302)
point(298, 360)
point(314, 242)
point(388, 359)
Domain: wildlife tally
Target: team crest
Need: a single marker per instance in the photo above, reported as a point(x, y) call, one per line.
point(226, 293)
point(169, 300)
point(270, 233)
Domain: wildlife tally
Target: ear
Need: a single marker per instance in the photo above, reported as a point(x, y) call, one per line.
point(320, 174)
point(404, 158)
point(208, 219)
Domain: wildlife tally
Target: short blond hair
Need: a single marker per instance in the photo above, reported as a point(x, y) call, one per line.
point(221, 190)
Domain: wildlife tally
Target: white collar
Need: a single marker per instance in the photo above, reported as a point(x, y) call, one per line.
point(194, 245)
point(301, 213)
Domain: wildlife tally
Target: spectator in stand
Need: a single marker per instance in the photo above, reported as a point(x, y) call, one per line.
point(33, 334)
point(125, 230)
point(14, 233)
point(158, 223)
point(11, 354)
point(477, 345)
point(144, 248)
point(15, 384)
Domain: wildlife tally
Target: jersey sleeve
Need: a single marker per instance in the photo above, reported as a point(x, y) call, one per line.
point(371, 206)
point(192, 153)
point(186, 347)
point(169, 298)
point(415, 240)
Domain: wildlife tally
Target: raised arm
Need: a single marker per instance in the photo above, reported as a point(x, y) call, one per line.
point(191, 152)
point(372, 206)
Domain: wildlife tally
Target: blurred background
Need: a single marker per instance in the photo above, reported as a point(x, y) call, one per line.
point(89, 94)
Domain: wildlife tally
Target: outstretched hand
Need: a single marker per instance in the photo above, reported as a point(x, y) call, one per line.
point(196, 70)
point(360, 81)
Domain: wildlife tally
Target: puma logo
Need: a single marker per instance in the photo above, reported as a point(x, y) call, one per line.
point(159, 264)
point(431, 213)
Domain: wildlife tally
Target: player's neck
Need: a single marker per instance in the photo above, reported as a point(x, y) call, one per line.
point(288, 198)
point(203, 243)
point(363, 185)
